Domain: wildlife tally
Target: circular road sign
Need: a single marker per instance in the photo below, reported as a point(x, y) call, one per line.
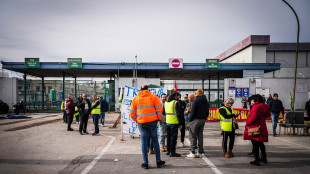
point(175, 63)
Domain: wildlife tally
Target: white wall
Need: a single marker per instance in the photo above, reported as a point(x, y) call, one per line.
point(244, 56)
point(280, 86)
point(259, 54)
point(8, 91)
point(251, 54)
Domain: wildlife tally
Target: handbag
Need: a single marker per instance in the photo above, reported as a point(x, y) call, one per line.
point(236, 126)
point(255, 130)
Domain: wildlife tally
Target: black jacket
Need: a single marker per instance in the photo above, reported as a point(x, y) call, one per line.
point(82, 107)
point(276, 106)
point(200, 108)
point(269, 100)
point(182, 109)
point(307, 108)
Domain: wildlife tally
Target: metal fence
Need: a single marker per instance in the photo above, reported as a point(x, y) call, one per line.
point(50, 97)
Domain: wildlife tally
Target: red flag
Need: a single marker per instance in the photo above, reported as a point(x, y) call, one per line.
point(175, 86)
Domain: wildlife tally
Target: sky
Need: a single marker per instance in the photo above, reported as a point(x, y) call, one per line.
point(154, 30)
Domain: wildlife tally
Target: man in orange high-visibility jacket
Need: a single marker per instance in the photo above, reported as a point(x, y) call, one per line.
point(146, 109)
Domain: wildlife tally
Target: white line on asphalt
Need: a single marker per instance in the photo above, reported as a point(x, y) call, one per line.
point(93, 163)
point(209, 163)
point(293, 143)
point(213, 167)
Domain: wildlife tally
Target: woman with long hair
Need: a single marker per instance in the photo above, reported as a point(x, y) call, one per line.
point(257, 118)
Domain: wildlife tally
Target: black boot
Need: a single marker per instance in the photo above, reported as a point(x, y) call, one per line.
point(145, 166)
point(263, 158)
point(255, 162)
point(160, 164)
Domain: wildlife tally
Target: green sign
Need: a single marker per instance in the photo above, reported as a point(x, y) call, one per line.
point(212, 63)
point(74, 62)
point(32, 62)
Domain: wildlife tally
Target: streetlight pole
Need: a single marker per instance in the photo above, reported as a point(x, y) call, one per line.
point(296, 57)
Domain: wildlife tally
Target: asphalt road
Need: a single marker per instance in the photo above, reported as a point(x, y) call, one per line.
point(42, 145)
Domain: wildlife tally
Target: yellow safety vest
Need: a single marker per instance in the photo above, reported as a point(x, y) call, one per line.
point(63, 106)
point(227, 124)
point(96, 110)
point(171, 115)
point(76, 112)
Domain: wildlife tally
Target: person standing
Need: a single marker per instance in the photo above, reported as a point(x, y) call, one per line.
point(95, 112)
point(173, 120)
point(198, 115)
point(186, 100)
point(163, 126)
point(182, 109)
point(269, 99)
point(307, 108)
point(64, 110)
point(84, 110)
point(104, 108)
point(191, 98)
point(276, 107)
point(146, 109)
point(264, 99)
point(257, 117)
point(70, 106)
point(244, 102)
point(250, 99)
point(227, 122)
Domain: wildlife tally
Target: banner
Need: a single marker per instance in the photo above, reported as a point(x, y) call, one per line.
point(130, 126)
point(214, 115)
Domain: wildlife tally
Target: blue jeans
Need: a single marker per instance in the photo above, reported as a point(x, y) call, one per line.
point(172, 135)
point(163, 134)
point(186, 119)
point(274, 118)
point(145, 133)
point(102, 117)
point(96, 122)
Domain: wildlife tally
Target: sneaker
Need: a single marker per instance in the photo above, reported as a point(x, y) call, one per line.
point(160, 164)
point(70, 129)
point(274, 134)
point(182, 144)
point(175, 155)
point(145, 166)
point(162, 149)
point(94, 134)
point(151, 151)
point(77, 122)
point(102, 125)
point(191, 155)
point(168, 153)
point(86, 133)
point(81, 133)
point(199, 155)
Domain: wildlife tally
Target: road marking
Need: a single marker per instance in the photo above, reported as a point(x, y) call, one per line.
point(206, 160)
point(95, 160)
point(293, 143)
point(213, 167)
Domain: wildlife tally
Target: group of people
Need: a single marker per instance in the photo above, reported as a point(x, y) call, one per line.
point(81, 109)
point(170, 113)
